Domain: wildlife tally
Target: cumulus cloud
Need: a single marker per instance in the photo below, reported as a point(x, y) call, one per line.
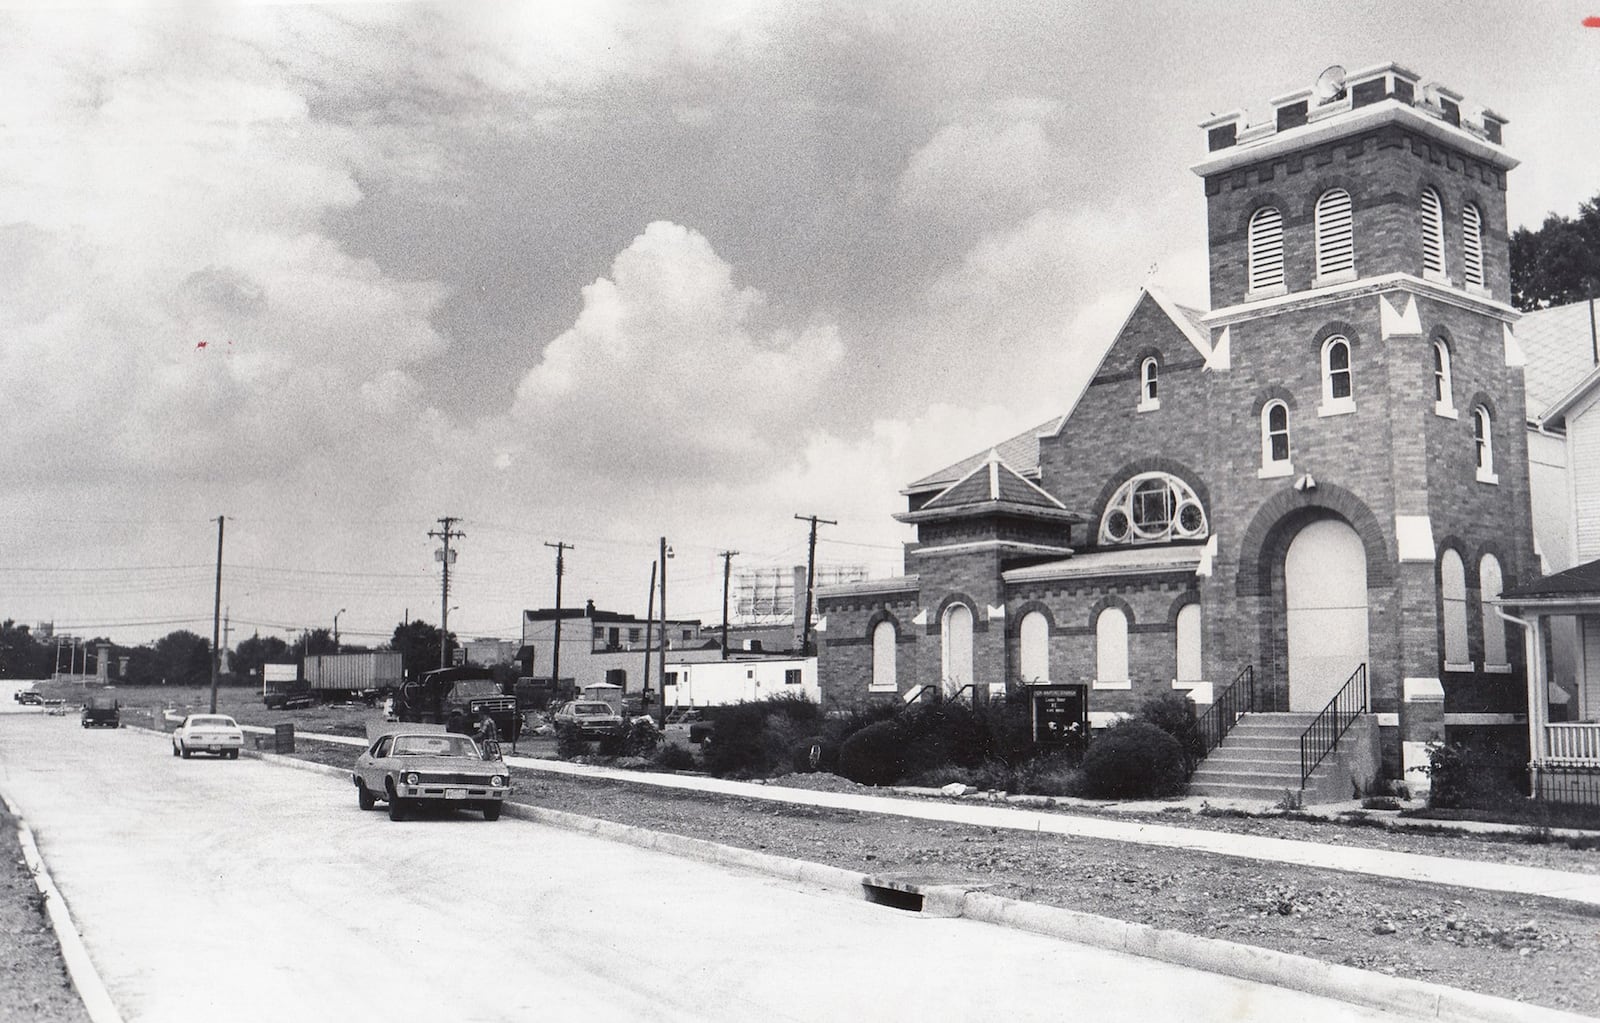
point(991, 166)
point(670, 367)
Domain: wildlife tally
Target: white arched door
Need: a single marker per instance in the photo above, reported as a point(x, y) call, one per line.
point(957, 649)
point(1325, 588)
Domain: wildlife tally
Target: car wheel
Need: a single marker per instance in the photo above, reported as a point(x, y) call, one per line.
point(233, 754)
point(174, 749)
point(363, 797)
point(397, 812)
point(183, 751)
point(491, 812)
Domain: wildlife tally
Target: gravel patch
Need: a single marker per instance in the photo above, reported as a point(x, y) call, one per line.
point(35, 984)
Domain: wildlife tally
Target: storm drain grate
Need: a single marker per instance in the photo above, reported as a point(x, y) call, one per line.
point(894, 898)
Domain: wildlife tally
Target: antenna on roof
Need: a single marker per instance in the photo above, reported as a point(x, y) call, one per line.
point(1330, 85)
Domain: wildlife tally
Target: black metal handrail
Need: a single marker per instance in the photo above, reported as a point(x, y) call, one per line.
point(1226, 709)
point(1328, 727)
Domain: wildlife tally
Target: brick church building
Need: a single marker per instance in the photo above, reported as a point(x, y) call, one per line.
point(1323, 475)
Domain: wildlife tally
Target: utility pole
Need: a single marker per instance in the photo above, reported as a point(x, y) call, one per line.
point(445, 556)
point(649, 627)
point(811, 580)
point(661, 688)
point(727, 565)
point(216, 621)
point(555, 659)
point(336, 615)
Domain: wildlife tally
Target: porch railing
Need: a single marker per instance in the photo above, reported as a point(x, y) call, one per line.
point(1328, 727)
point(1573, 741)
point(1226, 709)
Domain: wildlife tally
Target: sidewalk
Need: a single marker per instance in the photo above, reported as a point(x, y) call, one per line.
point(1495, 877)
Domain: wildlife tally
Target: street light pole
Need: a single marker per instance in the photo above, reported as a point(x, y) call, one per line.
point(336, 629)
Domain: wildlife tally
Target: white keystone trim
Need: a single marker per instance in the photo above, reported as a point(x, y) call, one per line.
point(1413, 538)
point(1423, 690)
point(1398, 321)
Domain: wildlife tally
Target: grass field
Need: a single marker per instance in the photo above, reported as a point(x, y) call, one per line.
point(241, 703)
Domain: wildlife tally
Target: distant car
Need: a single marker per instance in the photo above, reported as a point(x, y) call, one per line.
point(208, 733)
point(27, 697)
point(408, 769)
point(101, 712)
point(590, 716)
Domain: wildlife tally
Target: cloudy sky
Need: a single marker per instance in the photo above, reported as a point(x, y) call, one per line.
point(601, 272)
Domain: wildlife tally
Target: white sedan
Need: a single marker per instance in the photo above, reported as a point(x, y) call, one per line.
point(208, 733)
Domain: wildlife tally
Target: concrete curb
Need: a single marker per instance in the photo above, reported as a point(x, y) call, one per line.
point(1211, 955)
point(85, 978)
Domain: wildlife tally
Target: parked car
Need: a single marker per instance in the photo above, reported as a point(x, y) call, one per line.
point(208, 733)
point(29, 698)
point(409, 768)
point(101, 712)
point(590, 716)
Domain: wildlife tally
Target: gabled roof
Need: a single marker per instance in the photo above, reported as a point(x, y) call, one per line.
point(1559, 344)
point(1557, 413)
point(992, 480)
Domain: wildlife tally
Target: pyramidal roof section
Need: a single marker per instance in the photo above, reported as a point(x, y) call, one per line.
point(1020, 452)
point(993, 480)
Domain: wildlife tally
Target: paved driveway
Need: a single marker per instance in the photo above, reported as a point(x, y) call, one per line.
point(239, 890)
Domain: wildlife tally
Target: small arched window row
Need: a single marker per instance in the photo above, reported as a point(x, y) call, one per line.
point(1153, 507)
point(1275, 447)
point(1483, 438)
point(1443, 402)
point(1338, 377)
point(884, 668)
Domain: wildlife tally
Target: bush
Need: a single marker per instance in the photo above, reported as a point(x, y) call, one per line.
point(673, 757)
point(1464, 776)
point(814, 754)
point(756, 740)
point(875, 755)
point(570, 743)
point(641, 738)
point(1133, 760)
point(1173, 713)
point(843, 725)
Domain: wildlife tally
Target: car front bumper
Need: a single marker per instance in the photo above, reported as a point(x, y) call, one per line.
point(448, 792)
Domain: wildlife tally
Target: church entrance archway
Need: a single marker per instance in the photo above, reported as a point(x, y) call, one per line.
point(1325, 595)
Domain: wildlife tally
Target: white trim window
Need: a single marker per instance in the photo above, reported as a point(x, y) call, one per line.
point(884, 678)
point(1338, 378)
point(1111, 650)
point(1453, 604)
point(1490, 583)
point(1483, 438)
point(1264, 252)
point(1149, 384)
point(1443, 403)
point(1275, 448)
point(957, 648)
point(1472, 245)
point(1187, 642)
point(1335, 238)
point(1432, 235)
point(1153, 507)
point(1033, 643)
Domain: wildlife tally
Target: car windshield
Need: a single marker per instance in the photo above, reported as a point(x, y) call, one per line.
point(207, 721)
point(592, 709)
point(434, 746)
point(475, 688)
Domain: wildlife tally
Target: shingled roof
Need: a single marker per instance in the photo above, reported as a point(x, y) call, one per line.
point(1578, 581)
point(991, 485)
point(1559, 344)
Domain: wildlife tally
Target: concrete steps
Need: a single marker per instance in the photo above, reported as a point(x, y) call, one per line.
point(1260, 759)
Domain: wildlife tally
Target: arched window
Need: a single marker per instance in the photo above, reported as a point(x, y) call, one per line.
point(1494, 627)
point(1338, 380)
point(1432, 234)
point(1336, 251)
point(1483, 436)
point(1453, 594)
point(1148, 395)
point(1034, 639)
point(957, 649)
point(1275, 439)
point(1472, 245)
point(1111, 650)
point(1265, 249)
point(1153, 507)
point(883, 657)
point(1443, 403)
point(1188, 642)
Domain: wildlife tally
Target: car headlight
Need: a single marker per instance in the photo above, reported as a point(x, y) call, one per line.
point(411, 779)
point(497, 781)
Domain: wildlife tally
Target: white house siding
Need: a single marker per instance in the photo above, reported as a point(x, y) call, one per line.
point(1548, 488)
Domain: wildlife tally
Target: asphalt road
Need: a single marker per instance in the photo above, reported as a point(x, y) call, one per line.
point(240, 890)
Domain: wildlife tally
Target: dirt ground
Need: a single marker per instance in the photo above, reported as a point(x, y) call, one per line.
point(35, 985)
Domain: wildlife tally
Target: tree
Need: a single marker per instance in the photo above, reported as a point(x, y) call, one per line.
point(179, 658)
point(418, 643)
point(22, 656)
point(1558, 263)
point(252, 653)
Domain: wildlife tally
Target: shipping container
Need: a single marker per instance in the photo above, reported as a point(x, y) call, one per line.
point(719, 683)
point(353, 673)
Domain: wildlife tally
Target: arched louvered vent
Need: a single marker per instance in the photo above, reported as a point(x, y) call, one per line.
point(1432, 233)
point(1472, 245)
point(1266, 248)
point(1335, 242)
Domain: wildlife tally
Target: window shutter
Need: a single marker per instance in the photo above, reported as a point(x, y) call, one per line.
point(1432, 232)
point(1335, 242)
point(1266, 248)
point(1472, 244)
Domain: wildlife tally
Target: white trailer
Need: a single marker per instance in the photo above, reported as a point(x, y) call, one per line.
point(354, 673)
point(741, 680)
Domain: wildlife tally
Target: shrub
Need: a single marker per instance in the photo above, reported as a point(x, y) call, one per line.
point(1133, 760)
point(673, 757)
point(755, 740)
point(1173, 713)
point(570, 743)
point(875, 755)
point(641, 738)
point(1465, 776)
point(842, 726)
point(1380, 803)
point(814, 754)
